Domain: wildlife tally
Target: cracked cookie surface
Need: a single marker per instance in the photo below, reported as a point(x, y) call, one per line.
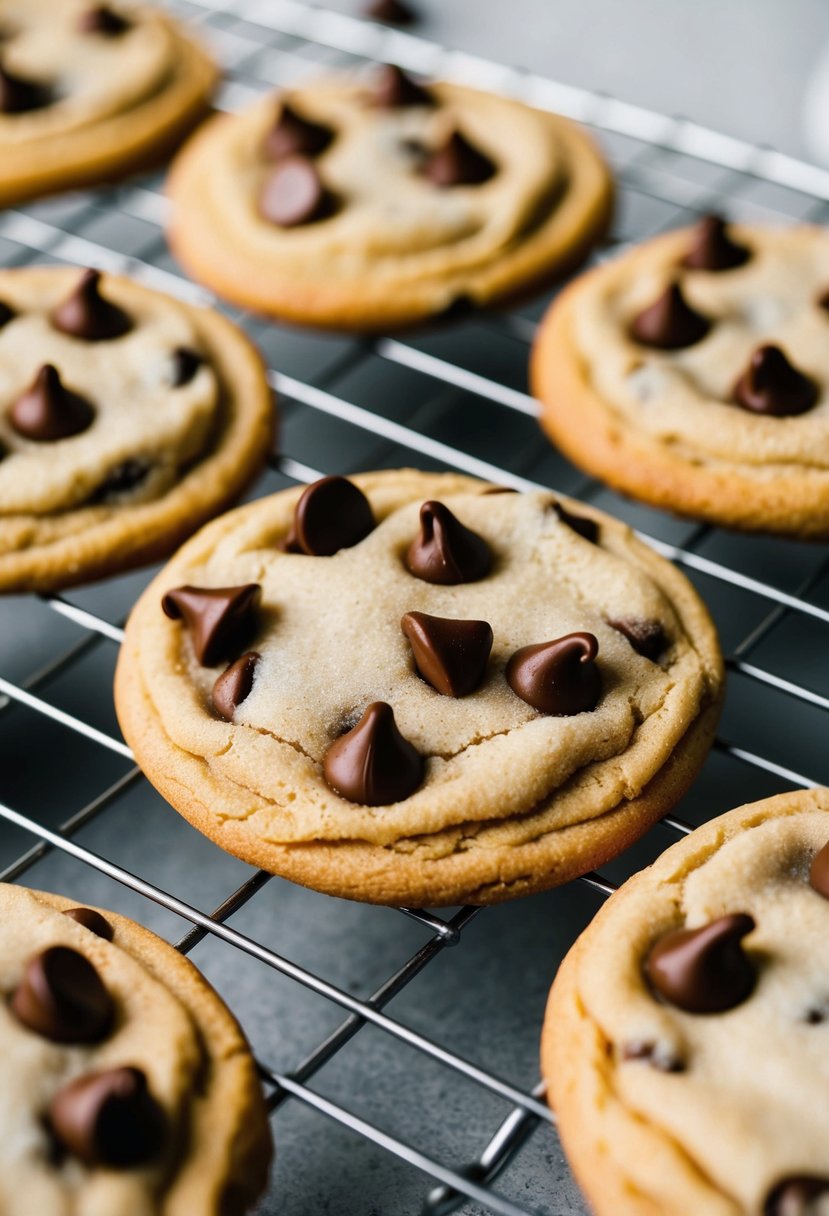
point(500, 798)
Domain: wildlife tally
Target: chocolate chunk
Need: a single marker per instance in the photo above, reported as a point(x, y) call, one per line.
point(819, 872)
point(219, 619)
point(293, 194)
point(394, 89)
point(103, 20)
point(373, 763)
point(793, 1196)
point(93, 921)
point(450, 655)
point(108, 1119)
point(18, 95)
point(234, 685)
point(87, 315)
point(712, 248)
point(6, 314)
point(771, 385)
point(126, 476)
point(390, 12)
point(559, 677)
point(332, 514)
point(669, 323)
point(186, 363)
point(646, 637)
point(293, 135)
point(458, 163)
point(47, 411)
point(588, 528)
point(445, 551)
point(62, 997)
point(704, 970)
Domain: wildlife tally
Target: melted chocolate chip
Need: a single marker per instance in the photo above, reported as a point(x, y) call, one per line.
point(446, 552)
point(233, 685)
point(394, 89)
point(670, 323)
point(390, 12)
point(19, 95)
point(293, 135)
point(458, 163)
point(62, 997)
point(704, 970)
point(219, 619)
point(793, 1196)
point(588, 528)
point(108, 1119)
point(93, 921)
point(712, 248)
point(185, 364)
point(450, 655)
point(332, 514)
point(103, 20)
point(88, 315)
point(559, 677)
point(819, 872)
point(293, 194)
point(655, 1054)
point(126, 476)
point(48, 411)
point(373, 764)
point(6, 314)
point(772, 385)
point(646, 637)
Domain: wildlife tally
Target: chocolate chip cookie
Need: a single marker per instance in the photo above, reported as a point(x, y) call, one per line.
point(127, 418)
point(128, 1086)
point(91, 90)
point(409, 688)
point(684, 1040)
point(372, 202)
point(692, 373)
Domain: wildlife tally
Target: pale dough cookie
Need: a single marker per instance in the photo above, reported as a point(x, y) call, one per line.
point(155, 416)
point(91, 90)
point(128, 1087)
point(376, 202)
point(397, 760)
point(711, 400)
point(689, 1072)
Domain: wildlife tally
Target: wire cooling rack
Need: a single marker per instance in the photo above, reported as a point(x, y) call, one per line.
point(431, 1107)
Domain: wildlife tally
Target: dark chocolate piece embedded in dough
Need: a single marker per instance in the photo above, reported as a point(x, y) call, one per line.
point(390, 12)
point(62, 997)
point(819, 872)
point(331, 514)
point(101, 19)
point(19, 95)
point(394, 89)
point(373, 764)
point(233, 685)
point(712, 248)
point(704, 970)
point(293, 135)
point(458, 163)
point(450, 655)
point(670, 323)
point(6, 314)
point(793, 1196)
point(293, 194)
point(91, 920)
point(445, 551)
point(219, 619)
point(646, 637)
point(186, 363)
point(108, 1119)
point(88, 315)
point(48, 411)
point(559, 677)
point(587, 528)
point(772, 385)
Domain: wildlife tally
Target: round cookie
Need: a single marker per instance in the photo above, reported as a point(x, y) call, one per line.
point(129, 1086)
point(405, 688)
point(683, 1044)
point(91, 90)
point(127, 418)
point(692, 373)
point(370, 202)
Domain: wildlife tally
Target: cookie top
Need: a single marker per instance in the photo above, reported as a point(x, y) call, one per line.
point(125, 418)
point(128, 1084)
point(684, 1041)
point(373, 200)
point(702, 356)
point(430, 663)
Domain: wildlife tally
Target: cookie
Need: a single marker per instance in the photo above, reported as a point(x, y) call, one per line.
point(89, 91)
point(128, 1085)
point(369, 202)
point(409, 688)
point(683, 1043)
point(692, 373)
point(127, 418)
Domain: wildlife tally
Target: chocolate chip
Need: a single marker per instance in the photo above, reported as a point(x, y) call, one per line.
point(559, 677)
point(6, 314)
point(587, 528)
point(446, 552)
point(62, 997)
point(233, 685)
point(390, 12)
point(293, 135)
point(87, 315)
point(712, 248)
point(819, 872)
point(219, 619)
point(331, 514)
point(646, 637)
point(19, 95)
point(93, 921)
point(293, 194)
point(186, 363)
point(793, 1196)
point(394, 89)
point(669, 323)
point(108, 1119)
point(373, 764)
point(458, 163)
point(655, 1054)
point(704, 970)
point(103, 20)
point(47, 411)
point(126, 476)
point(772, 385)
point(450, 655)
